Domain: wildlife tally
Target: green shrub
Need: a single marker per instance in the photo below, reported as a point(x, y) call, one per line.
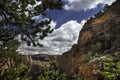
point(16, 73)
point(76, 77)
point(8, 49)
point(88, 57)
point(110, 69)
point(95, 48)
point(51, 73)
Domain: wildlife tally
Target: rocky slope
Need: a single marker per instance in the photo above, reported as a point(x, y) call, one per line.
point(8, 62)
point(44, 57)
point(98, 43)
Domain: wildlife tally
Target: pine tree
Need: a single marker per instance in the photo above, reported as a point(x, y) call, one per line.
point(17, 17)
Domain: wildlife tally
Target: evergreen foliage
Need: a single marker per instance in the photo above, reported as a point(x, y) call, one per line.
point(110, 69)
point(51, 73)
point(17, 70)
point(16, 73)
point(8, 50)
point(17, 17)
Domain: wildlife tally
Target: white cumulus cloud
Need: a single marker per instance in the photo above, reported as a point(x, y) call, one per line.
point(59, 41)
point(85, 4)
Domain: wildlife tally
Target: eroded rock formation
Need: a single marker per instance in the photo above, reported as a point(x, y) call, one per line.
point(99, 38)
point(8, 62)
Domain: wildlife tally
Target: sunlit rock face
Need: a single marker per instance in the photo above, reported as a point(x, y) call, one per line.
point(8, 62)
point(98, 39)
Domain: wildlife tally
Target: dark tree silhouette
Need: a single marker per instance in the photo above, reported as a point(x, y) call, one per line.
point(17, 17)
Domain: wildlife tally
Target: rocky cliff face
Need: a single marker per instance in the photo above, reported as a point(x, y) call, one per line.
point(98, 40)
point(8, 62)
point(44, 57)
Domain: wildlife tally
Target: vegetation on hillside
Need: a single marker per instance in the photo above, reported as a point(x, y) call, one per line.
point(19, 17)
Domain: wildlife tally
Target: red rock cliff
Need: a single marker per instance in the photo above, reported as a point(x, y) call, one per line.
point(98, 39)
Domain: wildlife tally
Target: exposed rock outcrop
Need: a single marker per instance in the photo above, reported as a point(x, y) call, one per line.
point(8, 62)
point(44, 57)
point(99, 38)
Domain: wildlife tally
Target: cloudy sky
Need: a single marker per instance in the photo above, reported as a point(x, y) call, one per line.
point(67, 23)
